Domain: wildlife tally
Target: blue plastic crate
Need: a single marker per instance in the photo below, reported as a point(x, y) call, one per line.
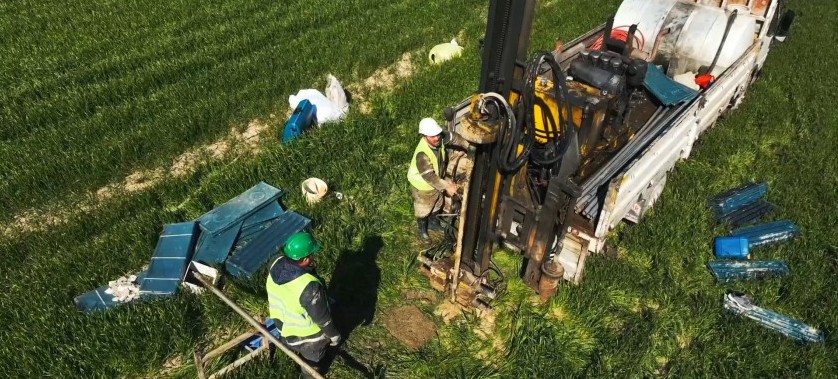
point(248, 260)
point(239, 208)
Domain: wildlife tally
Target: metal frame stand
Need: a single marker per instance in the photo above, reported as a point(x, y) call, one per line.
point(202, 361)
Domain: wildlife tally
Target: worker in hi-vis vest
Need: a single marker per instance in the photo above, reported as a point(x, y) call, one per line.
point(433, 174)
point(298, 302)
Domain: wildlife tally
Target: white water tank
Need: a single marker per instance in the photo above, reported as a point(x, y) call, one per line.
point(696, 32)
point(649, 17)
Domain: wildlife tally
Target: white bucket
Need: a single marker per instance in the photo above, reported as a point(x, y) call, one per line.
point(314, 189)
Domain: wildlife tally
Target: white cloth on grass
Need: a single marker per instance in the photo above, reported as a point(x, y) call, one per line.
point(330, 107)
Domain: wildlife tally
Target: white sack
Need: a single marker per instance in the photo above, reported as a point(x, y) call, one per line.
point(336, 94)
point(326, 109)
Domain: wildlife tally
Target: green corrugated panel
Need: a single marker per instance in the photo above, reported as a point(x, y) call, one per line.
point(666, 90)
point(237, 209)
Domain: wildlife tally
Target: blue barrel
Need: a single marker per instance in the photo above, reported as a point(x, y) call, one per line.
point(304, 116)
point(731, 247)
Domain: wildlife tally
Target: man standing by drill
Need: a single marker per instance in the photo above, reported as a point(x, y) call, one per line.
point(299, 304)
point(428, 169)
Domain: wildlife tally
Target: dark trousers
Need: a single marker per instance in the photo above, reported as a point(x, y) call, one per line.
point(312, 353)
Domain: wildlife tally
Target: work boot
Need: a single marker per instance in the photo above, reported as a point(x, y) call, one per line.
point(422, 223)
point(435, 223)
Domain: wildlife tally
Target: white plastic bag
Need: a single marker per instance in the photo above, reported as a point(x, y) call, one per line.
point(326, 110)
point(330, 107)
point(445, 51)
point(336, 94)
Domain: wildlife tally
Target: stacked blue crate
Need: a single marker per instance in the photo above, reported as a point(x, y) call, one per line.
point(237, 209)
point(214, 249)
point(253, 224)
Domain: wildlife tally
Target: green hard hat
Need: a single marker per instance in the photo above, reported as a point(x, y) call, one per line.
point(301, 245)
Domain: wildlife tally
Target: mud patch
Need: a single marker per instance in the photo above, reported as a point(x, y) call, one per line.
point(420, 295)
point(448, 310)
point(486, 329)
point(410, 326)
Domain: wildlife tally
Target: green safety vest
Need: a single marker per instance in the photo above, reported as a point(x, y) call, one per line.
point(413, 174)
point(284, 303)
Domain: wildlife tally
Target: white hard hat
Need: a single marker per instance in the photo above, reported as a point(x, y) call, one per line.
point(429, 127)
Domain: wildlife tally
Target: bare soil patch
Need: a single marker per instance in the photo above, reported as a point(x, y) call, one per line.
point(410, 326)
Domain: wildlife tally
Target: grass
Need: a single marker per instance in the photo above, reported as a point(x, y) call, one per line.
point(97, 91)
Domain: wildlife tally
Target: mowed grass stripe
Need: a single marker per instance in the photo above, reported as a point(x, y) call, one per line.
point(628, 319)
point(269, 74)
point(216, 42)
point(112, 230)
point(116, 79)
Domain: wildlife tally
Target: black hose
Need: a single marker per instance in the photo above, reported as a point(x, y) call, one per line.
point(523, 133)
point(730, 21)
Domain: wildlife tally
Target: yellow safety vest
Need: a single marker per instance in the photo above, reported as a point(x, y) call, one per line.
point(413, 174)
point(284, 303)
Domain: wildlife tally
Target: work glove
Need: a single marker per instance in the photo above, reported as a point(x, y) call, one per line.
point(334, 341)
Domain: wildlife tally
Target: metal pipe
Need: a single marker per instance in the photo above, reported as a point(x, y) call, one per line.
point(455, 280)
point(238, 362)
point(256, 324)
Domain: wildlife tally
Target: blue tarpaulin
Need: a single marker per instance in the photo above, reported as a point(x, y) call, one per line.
point(666, 90)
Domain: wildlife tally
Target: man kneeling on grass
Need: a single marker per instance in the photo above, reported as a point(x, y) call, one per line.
point(299, 304)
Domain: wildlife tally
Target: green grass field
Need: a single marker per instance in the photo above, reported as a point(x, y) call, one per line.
point(95, 91)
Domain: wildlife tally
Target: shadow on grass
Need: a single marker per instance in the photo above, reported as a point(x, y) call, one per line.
point(354, 287)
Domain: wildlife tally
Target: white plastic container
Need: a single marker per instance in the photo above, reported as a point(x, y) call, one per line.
point(314, 189)
point(696, 32)
point(648, 15)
